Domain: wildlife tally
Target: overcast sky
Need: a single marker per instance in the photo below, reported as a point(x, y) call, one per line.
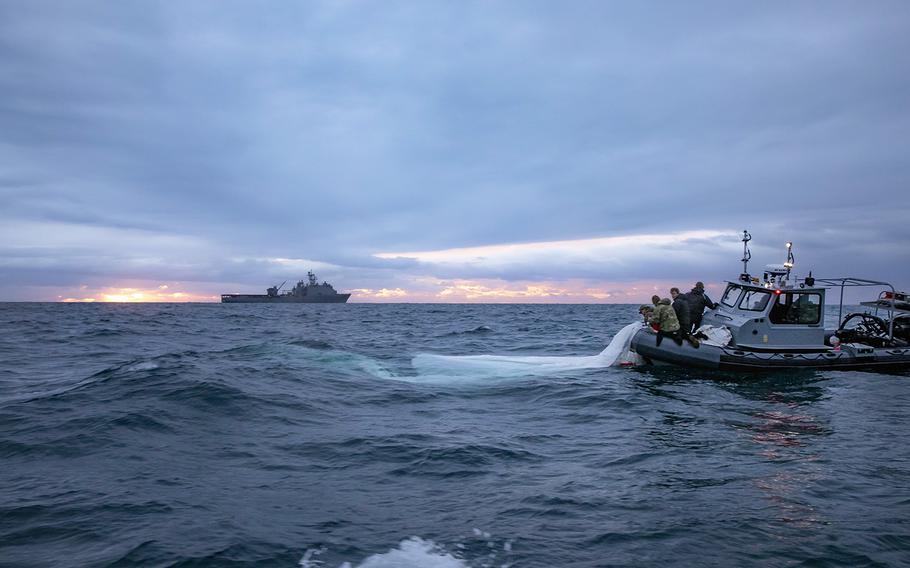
point(447, 151)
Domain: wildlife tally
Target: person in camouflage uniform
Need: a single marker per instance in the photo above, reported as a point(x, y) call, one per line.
point(665, 318)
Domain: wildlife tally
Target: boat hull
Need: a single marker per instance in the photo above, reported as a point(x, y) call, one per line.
point(266, 299)
point(850, 356)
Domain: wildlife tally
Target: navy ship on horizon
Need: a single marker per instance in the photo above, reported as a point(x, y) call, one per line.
point(305, 292)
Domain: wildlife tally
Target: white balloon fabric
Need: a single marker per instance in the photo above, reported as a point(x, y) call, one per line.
point(616, 353)
point(717, 336)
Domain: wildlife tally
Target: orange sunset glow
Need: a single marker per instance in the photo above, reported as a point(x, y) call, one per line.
point(422, 290)
point(499, 291)
point(162, 293)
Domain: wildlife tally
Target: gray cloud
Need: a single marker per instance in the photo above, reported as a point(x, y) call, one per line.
point(333, 131)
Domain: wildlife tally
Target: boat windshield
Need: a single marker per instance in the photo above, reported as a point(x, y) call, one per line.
point(731, 295)
point(755, 300)
point(797, 308)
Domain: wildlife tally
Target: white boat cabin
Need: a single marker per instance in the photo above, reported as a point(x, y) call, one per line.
point(761, 317)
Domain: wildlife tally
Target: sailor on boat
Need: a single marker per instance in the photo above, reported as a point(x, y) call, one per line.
point(777, 322)
point(683, 310)
point(698, 301)
point(663, 317)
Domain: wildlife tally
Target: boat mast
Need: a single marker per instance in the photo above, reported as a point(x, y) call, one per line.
point(747, 256)
point(790, 260)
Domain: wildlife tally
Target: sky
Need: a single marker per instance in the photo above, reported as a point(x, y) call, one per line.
point(491, 151)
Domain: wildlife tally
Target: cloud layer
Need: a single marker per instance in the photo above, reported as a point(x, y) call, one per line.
point(222, 146)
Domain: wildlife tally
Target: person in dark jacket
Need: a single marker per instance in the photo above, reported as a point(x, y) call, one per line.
point(681, 307)
point(698, 301)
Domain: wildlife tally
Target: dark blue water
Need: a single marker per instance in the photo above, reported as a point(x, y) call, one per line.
point(303, 435)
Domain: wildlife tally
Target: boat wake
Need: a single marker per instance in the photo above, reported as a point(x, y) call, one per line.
point(430, 366)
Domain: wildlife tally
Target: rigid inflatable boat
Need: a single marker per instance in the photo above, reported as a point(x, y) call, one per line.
point(779, 323)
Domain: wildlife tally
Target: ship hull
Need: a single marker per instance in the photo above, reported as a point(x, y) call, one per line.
point(266, 299)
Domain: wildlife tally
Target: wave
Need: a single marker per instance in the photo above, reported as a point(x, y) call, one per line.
point(311, 343)
point(119, 371)
point(479, 330)
point(432, 366)
point(170, 375)
point(105, 332)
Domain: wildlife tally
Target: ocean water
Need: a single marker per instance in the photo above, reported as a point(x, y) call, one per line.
point(431, 436)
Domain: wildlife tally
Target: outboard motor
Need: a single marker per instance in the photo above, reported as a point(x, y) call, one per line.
point(873, 331)
point(866, 329)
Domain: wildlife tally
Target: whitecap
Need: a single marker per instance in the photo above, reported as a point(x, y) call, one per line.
point(142, 366)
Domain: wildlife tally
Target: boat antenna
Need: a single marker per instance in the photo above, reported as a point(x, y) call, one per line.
point(747, 256)
point(790, 260)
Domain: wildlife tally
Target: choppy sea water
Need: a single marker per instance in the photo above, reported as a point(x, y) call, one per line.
point(345, 435)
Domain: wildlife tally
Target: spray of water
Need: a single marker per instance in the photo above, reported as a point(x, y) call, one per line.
point(479, 550)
